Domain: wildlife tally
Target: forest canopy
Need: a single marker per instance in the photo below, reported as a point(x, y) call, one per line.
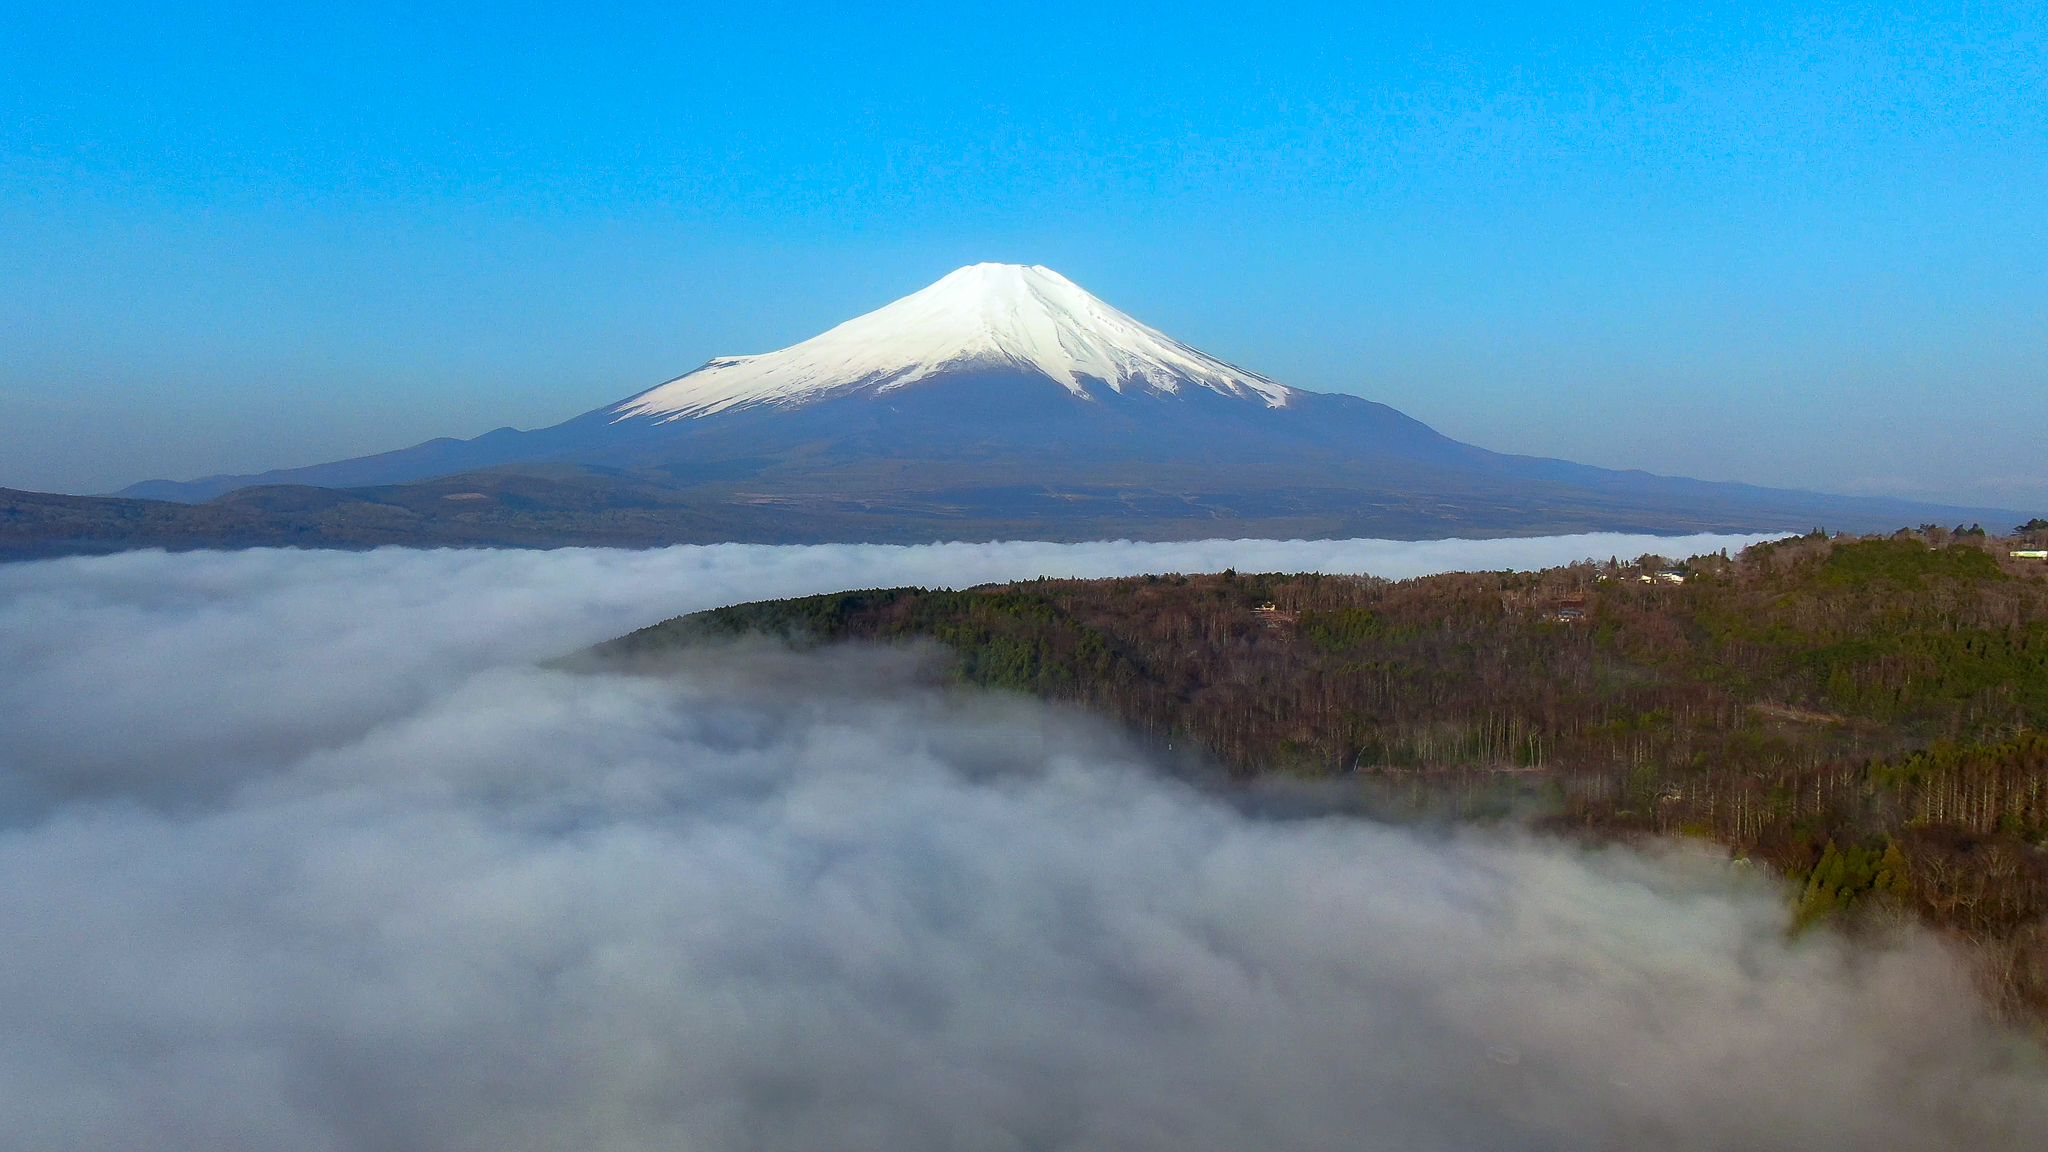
point(1866, 715)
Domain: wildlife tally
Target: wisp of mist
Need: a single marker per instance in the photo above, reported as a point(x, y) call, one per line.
point(308, 850)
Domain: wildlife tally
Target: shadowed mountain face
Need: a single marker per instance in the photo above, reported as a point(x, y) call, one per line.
point(1000, 402)
point(1004, 419)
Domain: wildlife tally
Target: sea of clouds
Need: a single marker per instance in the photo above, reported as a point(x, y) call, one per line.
point(304, 850)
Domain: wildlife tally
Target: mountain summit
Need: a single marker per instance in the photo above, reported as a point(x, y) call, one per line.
point(981, 317)
point(1002, 401)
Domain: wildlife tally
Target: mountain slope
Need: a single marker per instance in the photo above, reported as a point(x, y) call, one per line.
point(1006, 399)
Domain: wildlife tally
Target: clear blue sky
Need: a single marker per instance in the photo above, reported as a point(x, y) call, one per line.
point(1778, 243)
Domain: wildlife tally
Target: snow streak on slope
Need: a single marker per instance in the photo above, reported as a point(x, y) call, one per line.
point(983, 316)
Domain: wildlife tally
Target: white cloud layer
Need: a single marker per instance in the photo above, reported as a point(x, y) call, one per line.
point(224, 662)
point(303, 852)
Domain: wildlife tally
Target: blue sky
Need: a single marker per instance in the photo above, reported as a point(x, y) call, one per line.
point(1787, 244)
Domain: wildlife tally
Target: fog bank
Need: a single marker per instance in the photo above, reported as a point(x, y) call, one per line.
point(222, 663)
point(302, 851)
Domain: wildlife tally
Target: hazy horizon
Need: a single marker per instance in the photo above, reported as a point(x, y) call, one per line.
point(1732, 241)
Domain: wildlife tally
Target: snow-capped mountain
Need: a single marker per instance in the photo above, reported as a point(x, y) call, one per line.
point(984, 316)
point(1001, 401)
point(989, 358)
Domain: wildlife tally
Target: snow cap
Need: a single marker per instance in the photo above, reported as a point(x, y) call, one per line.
point(981, 316)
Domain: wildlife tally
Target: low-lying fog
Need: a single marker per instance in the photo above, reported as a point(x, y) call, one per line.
point(301, 850)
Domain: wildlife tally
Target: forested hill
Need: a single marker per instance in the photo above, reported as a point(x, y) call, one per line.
point(1867, 715)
